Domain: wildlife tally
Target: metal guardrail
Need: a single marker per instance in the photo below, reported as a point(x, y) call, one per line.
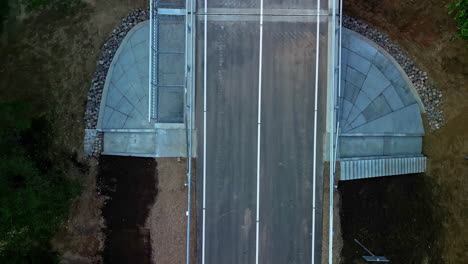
point(171, 11)
point(336, 97)
point(189, 84)
point(151, 59)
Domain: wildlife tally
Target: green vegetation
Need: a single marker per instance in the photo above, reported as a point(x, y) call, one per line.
point(4, 10)
point(460, 10)
point(34, 195)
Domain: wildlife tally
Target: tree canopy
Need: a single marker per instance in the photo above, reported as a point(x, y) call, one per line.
point(460, 11)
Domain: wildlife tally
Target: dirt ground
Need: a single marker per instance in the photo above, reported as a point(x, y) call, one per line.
point(393, 217)
point(49, 59)
point(167, 220)
point(145, 214)
point(337, 233)
point(424, 29)
point(81, 238)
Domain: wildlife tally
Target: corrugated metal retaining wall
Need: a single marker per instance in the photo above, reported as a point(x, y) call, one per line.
point(353, 169)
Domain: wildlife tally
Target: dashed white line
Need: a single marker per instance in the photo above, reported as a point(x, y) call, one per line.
point(259, 122)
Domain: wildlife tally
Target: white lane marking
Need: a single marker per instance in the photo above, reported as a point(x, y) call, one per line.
point(150, 79)
point(259, 122)
point(204, 132)
point(314, 167)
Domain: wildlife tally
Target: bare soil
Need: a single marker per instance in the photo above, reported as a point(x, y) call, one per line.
point(424, 30)
point(393, 217)
point(48, 59)
point(145, 214)
point(337, 233)
point(167, 220)
point(81, 239)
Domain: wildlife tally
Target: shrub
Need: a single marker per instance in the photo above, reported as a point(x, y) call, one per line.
point(460, 11)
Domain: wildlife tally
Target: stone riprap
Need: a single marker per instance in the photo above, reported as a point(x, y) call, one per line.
point(92, 142)
point(430, 96)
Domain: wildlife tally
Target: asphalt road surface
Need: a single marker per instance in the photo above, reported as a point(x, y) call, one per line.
point(255, 173)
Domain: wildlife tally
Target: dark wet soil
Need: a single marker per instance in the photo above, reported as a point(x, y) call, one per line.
point(130, 184)
point(391, 216)
point(424, 29)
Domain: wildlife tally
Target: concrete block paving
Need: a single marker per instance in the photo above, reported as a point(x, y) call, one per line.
point(378, 103)
point(125, 104)
point(126, 97)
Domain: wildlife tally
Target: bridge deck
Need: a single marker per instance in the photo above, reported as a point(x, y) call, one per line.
point(245, 168)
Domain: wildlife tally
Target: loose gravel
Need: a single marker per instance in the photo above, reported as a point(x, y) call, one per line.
point(430, 96)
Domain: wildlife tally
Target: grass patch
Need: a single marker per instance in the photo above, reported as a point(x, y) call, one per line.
point(34, 194)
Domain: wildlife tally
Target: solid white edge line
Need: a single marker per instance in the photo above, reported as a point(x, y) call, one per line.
point(314, 167)
point(259, 122)
point(204, 130)
point(150, 65)
point(332, 134)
